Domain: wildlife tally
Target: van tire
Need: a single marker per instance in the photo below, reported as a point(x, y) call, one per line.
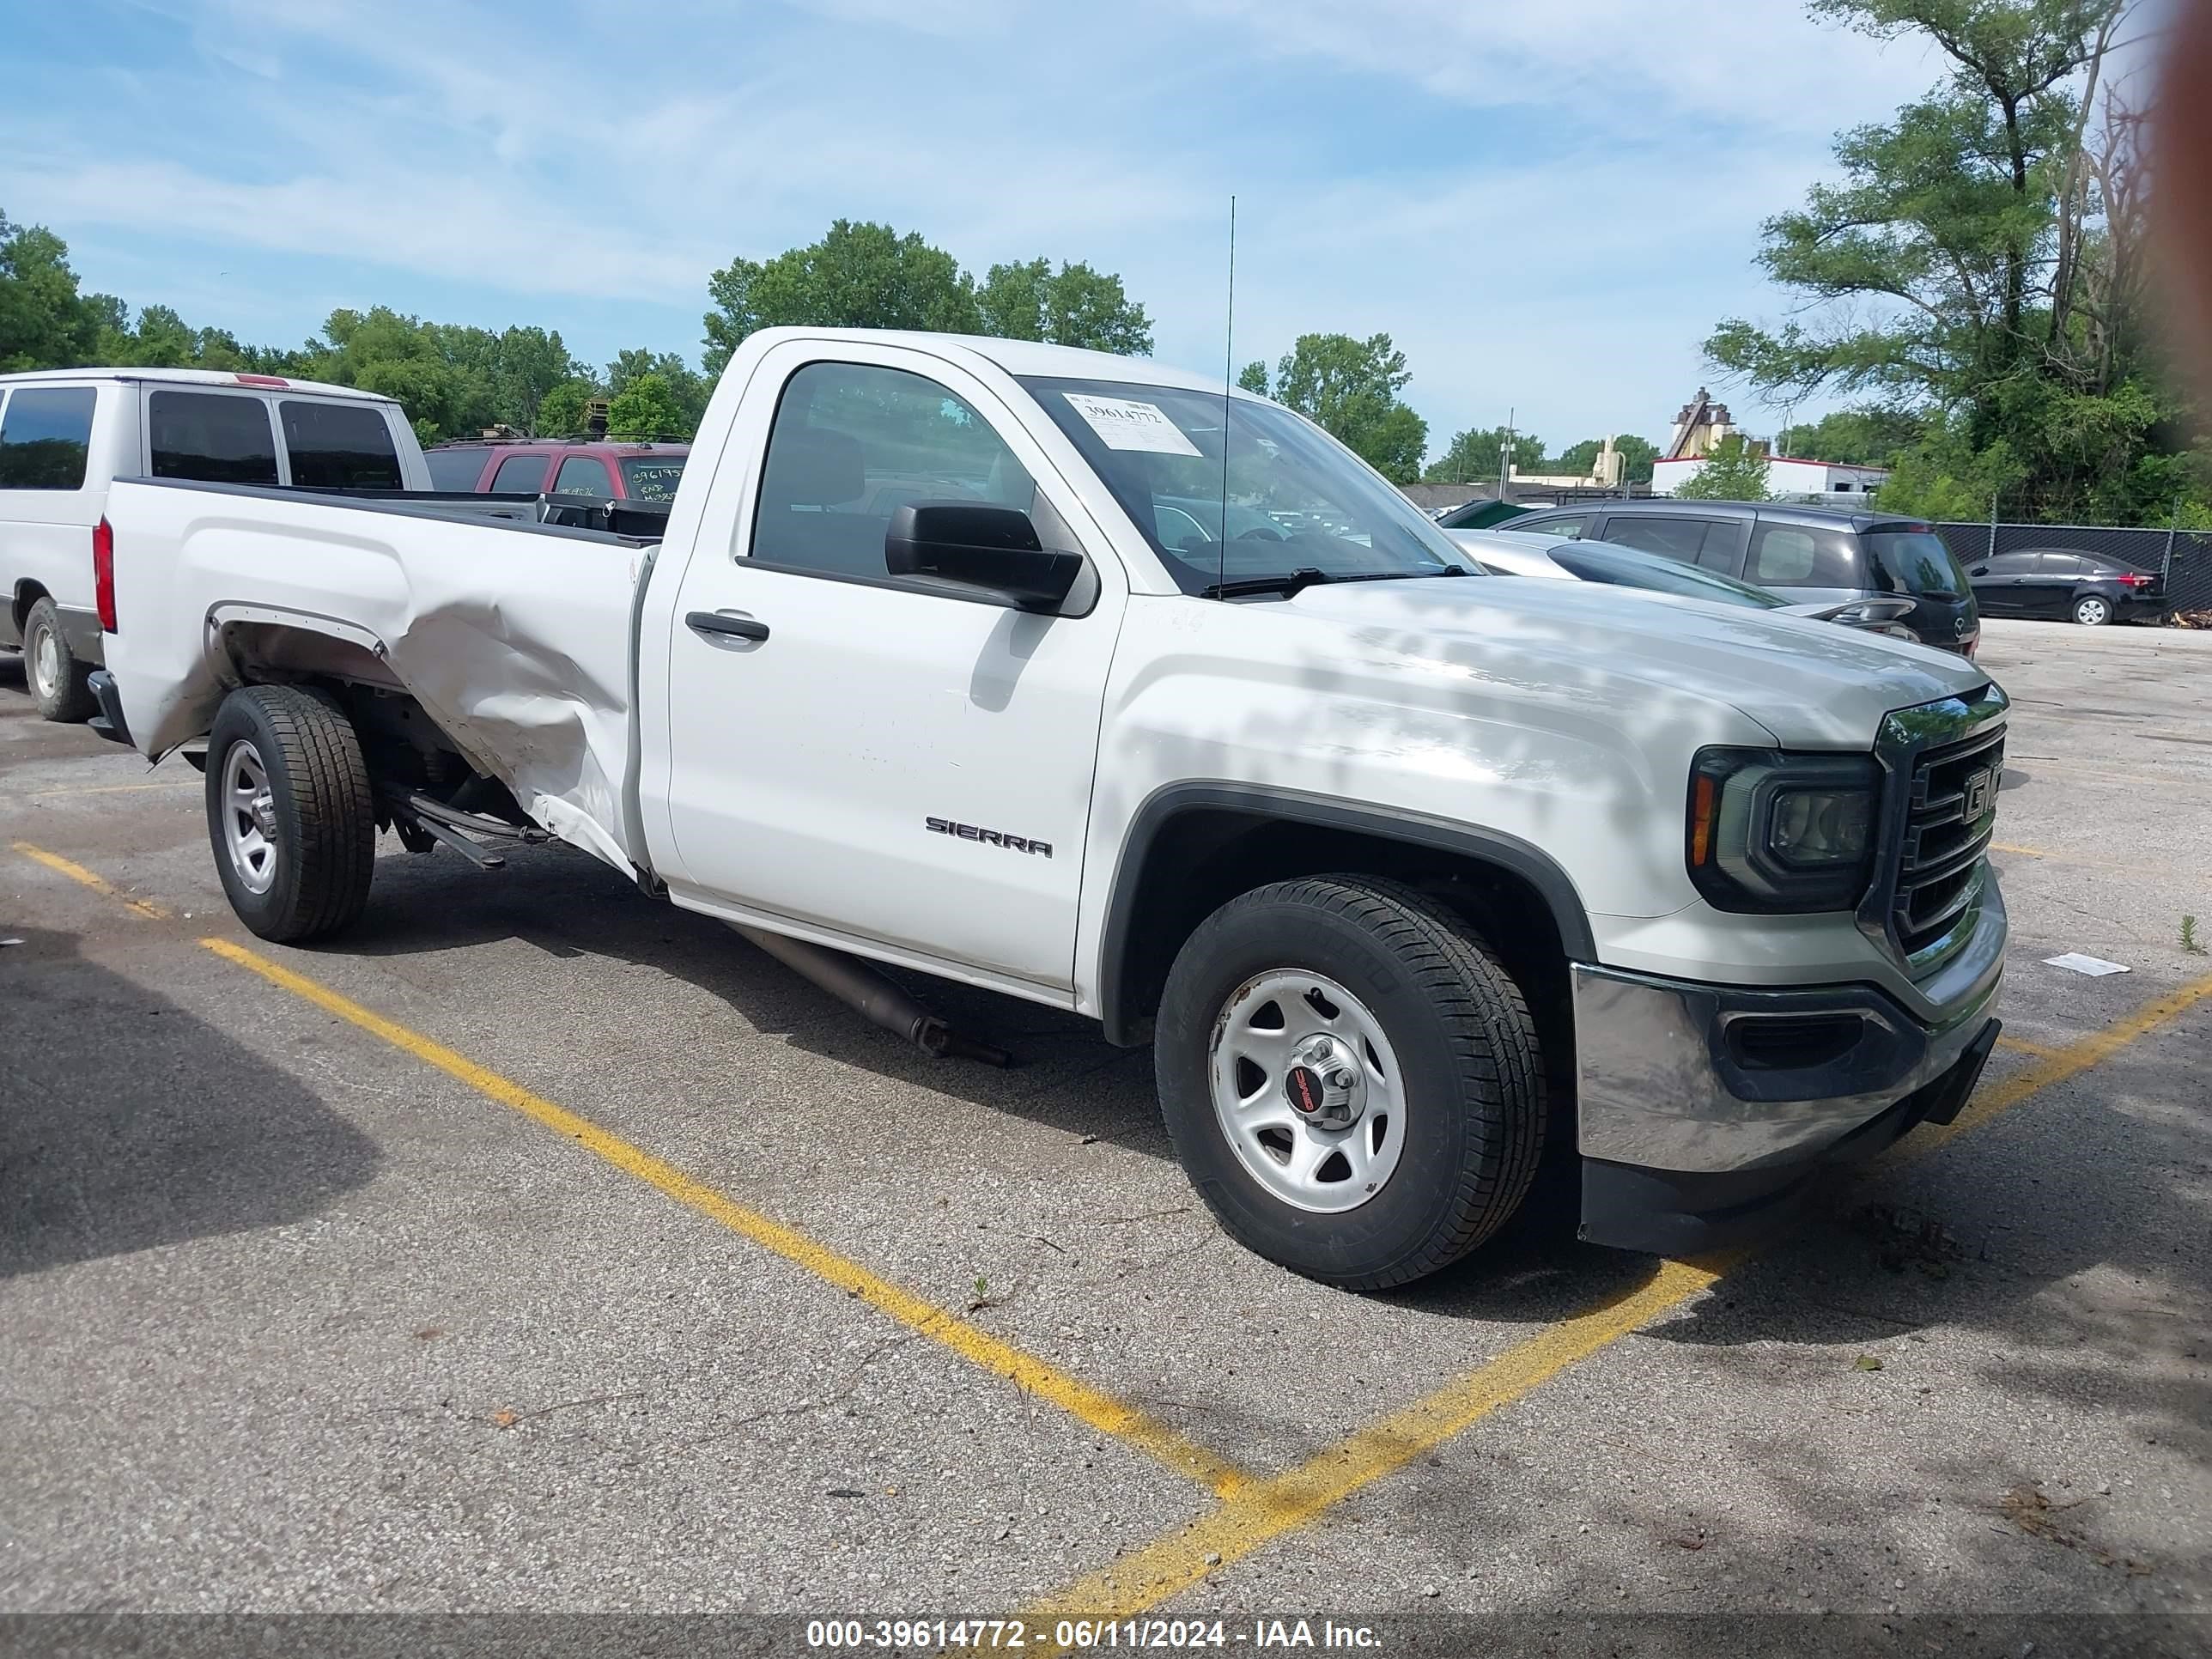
point(59, 682)
point(1470, 1075)
point(294, 858)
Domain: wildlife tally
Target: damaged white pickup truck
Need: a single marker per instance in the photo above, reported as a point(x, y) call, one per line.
point(1073, 676)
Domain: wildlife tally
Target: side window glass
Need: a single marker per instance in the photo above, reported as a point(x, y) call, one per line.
point(212, 437)
point(1574, 529)
point(46, 437)
point(1789, 555)
point(583, 474)
point(339, 445)
point(852, 443)
point(521, 475)
point(454, 468)
point(1669, 537)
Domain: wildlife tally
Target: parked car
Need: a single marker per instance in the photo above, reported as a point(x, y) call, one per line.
point(1806, 554)
point(612, 471)
point(2091, 589)
point(1548, 558)
point(66, 435)
point(1365, 843)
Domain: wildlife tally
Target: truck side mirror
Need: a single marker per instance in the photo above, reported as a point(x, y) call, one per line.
point(979, 545)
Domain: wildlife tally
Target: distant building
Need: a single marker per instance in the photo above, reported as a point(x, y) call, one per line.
point(1701, 426)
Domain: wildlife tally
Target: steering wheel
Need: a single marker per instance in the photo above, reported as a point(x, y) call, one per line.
point(1261, 533)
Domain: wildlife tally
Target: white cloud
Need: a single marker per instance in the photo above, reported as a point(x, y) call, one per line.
point(1547, 209)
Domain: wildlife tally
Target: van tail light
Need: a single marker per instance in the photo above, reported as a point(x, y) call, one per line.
point(103, 575)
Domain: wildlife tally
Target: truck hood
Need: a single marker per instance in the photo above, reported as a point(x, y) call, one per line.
point(1813, 684)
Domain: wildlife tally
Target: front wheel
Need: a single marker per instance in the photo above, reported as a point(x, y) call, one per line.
point(1351, 1080)
point(2091, 611)
point(289, 811)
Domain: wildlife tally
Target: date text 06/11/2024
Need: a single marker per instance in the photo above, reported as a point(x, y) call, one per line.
point(1086, 1635)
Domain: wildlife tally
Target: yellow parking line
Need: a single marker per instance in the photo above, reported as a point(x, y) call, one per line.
point(972, 1343)
point(100, 885)
point(2023, 1046)
point(116, 788)
point(1267, 1509)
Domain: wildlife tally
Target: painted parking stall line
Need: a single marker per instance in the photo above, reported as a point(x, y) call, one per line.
point(1138, 1582)
point(1092, 1406)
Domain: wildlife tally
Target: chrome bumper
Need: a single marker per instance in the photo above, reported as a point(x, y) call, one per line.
point(1709, 1080)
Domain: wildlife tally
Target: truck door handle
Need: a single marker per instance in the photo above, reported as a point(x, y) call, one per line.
point(710, 622)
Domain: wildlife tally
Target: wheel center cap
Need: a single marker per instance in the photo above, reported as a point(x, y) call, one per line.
point(265, 815)
point(1323, 1084)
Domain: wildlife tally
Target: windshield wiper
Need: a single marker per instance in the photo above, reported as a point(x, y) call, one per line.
point(1286, 583)
point(1290, 582)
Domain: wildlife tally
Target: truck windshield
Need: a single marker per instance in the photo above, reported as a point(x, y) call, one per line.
point(652, 478)
point(1912, 559)
point(1295, 503)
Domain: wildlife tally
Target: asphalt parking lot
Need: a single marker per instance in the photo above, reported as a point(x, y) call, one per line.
point(538, 1246)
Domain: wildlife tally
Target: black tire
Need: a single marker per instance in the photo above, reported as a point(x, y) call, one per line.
point(1465, 1045)
point(2092, 612)
point(64, 692)
point(321, 815)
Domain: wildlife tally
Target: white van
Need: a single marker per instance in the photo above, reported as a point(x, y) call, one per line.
point(66, 433)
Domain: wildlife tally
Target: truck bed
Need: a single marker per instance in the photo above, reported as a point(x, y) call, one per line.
point(515, 637)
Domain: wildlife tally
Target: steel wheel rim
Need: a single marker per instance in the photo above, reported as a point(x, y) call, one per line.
point(1267, 1026)
point(2092, 611)
point(249, 818)
point(46, 662)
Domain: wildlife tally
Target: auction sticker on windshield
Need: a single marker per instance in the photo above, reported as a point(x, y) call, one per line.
point(1124, 424)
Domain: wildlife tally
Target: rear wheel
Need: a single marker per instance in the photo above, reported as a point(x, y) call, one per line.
point(59, 682)
point(1351, 1080)
point(2091, 611)
point(289, 811)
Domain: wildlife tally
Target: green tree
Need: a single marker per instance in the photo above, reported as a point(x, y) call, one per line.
point(646, 409)
point(1636, 454)
point(161, 339)
point(528, 363)
point(1734, 472)
point(561, 413)
point(690, 388)
point(1854, 437)
point(1253, 378)
point(858, 275)
point(45, 323)
point(1350, 389)
point(1074, 306)
point(1980, 266)
point(1472, 456)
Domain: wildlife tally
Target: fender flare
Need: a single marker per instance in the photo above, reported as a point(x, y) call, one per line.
point(1260, 801)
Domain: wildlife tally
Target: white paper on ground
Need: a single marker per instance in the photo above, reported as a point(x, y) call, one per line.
point(2075, 962)
point(1124, 423)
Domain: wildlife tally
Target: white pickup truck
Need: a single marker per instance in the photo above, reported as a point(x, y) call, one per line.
point(1073, 676)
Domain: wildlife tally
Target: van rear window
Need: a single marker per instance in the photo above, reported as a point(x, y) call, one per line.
point(216, 437)
point(454, 468)
point(339, 446)
point(45, 436)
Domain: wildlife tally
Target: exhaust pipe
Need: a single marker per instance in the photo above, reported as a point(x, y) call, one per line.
point(871, 995)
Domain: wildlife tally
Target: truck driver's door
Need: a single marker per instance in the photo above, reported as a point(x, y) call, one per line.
point(853, 750)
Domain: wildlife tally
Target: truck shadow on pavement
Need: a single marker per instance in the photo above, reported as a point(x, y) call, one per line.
point(126, 1123)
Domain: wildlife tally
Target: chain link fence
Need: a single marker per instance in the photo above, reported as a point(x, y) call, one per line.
point(2182, 558)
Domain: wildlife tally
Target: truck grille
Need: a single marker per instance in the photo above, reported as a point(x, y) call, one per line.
point(1950, 816)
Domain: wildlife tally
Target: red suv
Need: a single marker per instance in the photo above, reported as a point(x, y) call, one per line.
point(611, 471)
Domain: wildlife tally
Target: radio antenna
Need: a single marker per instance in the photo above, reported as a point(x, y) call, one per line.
point(1228, 384)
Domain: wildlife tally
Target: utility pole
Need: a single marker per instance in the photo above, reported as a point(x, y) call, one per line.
point(1505, 453)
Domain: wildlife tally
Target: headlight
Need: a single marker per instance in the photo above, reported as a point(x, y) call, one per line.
point(1775, 832)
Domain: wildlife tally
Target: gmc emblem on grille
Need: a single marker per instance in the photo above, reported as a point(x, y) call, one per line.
point(1980, 789)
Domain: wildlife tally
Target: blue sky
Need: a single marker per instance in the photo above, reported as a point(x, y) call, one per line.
point(1548, 207)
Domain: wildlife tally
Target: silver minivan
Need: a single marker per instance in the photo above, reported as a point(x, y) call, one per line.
point(65, 434)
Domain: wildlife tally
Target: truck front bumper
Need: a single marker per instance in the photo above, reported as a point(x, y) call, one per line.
point(1704, 1109)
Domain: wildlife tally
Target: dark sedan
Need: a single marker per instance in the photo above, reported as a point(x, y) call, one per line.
point(2090, 588)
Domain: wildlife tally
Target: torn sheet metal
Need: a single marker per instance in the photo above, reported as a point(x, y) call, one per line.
point(514, 638)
